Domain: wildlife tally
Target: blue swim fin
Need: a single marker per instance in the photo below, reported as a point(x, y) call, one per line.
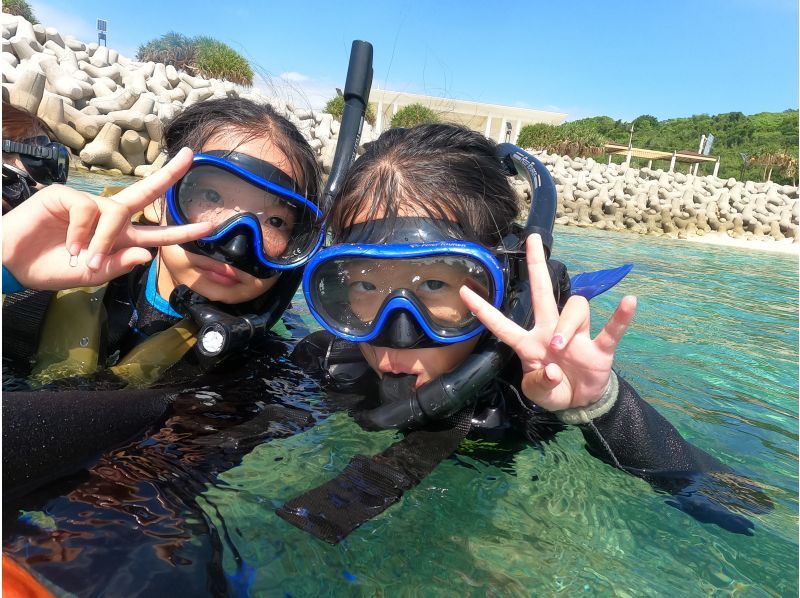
point(591, 284)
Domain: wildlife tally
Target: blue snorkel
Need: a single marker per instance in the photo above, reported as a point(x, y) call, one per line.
point(404, 407)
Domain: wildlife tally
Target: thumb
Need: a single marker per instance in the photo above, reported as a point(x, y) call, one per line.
point(538, 386)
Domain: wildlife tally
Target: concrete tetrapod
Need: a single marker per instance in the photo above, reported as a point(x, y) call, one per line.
point(51, 111)
point(104, 150)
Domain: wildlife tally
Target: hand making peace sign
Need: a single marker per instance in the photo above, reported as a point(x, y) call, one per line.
point(43, 236)
point(562, 366)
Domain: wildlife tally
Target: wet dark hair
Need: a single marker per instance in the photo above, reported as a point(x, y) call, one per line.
point(19, 124)
point(199, 123)
point(441, 171)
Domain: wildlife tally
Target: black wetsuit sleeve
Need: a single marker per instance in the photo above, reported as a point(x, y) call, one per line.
point(50, 434)
point(634, 437)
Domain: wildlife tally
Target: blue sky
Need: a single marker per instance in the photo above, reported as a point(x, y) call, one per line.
point(586, 58)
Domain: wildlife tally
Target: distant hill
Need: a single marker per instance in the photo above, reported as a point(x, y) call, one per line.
point(770, 139)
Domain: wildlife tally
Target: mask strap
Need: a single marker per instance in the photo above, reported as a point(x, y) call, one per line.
point(49, 152)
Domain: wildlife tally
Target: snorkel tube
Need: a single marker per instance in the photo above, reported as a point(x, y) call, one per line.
point(220, 332)
point(402, 407)
point(356, 97)
point(544, 198)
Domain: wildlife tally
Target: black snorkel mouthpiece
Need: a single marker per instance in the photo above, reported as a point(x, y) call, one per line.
point(402, 406)
point(399, 408)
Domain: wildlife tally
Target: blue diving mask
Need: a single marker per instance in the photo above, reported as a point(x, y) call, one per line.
point(403, 293)
point(262, 225)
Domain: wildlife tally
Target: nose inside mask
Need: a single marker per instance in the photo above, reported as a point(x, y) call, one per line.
point(402, 331)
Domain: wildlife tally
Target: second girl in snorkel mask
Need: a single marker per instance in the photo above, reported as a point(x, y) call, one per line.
point(426, 257)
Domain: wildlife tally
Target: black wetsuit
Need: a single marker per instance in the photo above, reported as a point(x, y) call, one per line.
point(129, 521)
point(79, 417)
point(631, 436)
point(85, 449)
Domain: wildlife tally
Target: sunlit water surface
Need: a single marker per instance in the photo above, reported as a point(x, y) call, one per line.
point(713, 347)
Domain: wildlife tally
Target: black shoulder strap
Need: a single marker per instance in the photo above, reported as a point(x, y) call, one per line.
point(23, 317)
point(370, 485)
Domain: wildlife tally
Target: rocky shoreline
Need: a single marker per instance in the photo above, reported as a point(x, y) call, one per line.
point(110, 111)
point(617, 197)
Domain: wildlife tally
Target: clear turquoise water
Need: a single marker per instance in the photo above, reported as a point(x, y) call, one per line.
point(714, 347)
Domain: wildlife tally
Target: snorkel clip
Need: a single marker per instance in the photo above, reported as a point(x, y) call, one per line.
point(220, 333)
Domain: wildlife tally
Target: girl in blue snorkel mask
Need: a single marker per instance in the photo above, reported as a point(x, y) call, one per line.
point(433, 313)
point(252, 185)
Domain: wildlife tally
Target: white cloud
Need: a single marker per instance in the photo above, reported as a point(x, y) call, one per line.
point(66, 23)
point(294, 76)
point(300, 90)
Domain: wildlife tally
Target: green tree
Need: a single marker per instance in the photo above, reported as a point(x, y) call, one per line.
point(575, 138)
point(171, 48)
point(539, 136)
point(20, 8)
point(768, 139)
point(413, 115)
point(201, 55)
point(335, 107)
point(213, 59)
point(645, 121)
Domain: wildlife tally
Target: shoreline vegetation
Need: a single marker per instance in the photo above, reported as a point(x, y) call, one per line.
point(110, 111)
point(757, 147)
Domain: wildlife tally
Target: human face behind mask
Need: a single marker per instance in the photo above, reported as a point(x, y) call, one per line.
point(18, 184)
point(393, 287)
point(215, 280)
point(434, 284)
point(437, 287)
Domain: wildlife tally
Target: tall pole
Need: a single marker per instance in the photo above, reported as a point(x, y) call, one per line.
point(630, 147)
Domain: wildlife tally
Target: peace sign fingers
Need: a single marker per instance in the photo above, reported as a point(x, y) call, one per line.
point(545, 309)
point(612, 333)
point(498, 324)
point(144, 192)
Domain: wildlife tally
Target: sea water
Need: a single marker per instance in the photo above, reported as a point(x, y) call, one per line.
point(713, 347)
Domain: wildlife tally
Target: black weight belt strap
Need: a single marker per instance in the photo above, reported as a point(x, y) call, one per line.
point(369, 486)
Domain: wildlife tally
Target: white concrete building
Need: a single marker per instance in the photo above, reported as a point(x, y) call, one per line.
point(498, 122)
